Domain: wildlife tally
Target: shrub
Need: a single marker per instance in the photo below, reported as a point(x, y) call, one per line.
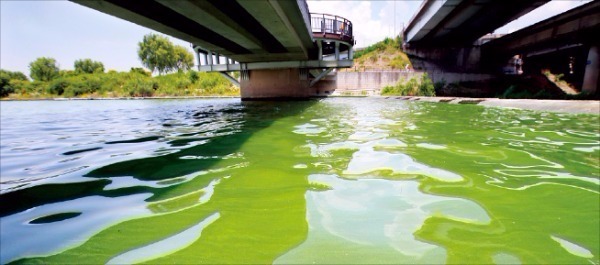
point(140, 87)
point(57, 86)
point(66, 73)
point(413, 87)
point(426, 87)
point(194, 76)
point(139, 70)
point(9, 82)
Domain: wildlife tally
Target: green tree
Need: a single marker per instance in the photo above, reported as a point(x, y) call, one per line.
point(88, 66)
point(157, 53)
point(184, 59)
point(43, 69)
point(6, 86)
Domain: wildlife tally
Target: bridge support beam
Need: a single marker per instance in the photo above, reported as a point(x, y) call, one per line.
point(592, 71)
point(287, 83)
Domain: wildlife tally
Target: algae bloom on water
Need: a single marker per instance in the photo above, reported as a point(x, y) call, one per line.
point(338, 180)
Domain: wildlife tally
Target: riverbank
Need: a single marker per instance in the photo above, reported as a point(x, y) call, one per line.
point(133, 84)
point(568, 106)
point(115, 98)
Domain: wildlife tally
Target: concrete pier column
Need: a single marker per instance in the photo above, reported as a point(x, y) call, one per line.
point(205, 56)
point(210, 58)
point(592, 72)
point(275, 84)
point(199, 59)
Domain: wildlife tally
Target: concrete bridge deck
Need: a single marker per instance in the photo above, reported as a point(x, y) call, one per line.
point(278, 46)
point(460, 22)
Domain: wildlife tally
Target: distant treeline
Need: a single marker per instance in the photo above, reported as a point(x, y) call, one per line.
point(135, 83)
point(89, 79)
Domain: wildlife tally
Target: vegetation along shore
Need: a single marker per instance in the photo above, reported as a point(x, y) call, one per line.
point(172, 63)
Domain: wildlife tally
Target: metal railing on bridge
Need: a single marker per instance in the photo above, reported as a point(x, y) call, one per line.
point(331, 26)
point(332, 35)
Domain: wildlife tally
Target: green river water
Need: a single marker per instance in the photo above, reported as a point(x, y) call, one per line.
point(339, 180)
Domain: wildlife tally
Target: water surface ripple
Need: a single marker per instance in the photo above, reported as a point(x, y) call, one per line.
point(337, 180)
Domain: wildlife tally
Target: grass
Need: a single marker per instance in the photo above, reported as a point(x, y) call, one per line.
point(386, 54)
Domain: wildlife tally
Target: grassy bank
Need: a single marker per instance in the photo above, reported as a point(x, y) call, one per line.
point(386, 54)
point(135, 83)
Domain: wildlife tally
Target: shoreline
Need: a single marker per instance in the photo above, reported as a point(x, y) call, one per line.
point(114, 98)
point(551, 105)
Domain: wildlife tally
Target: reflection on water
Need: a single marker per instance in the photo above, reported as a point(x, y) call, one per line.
point(330, 181)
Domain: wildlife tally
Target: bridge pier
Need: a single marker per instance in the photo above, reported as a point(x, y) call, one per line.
point(592, 71)
point(287, 83)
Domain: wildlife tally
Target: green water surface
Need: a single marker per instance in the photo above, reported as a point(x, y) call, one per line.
point(331, 181)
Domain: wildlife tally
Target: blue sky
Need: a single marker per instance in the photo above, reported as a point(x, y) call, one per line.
point(67, 31)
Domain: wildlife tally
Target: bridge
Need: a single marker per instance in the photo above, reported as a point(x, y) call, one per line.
point(566, 43)
point(279, 47)
point(442, 34)
point(460, 22)
point(450, 36)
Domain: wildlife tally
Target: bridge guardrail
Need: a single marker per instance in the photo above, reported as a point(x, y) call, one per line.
point(328, 25)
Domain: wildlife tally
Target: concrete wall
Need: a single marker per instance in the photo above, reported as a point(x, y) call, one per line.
point(371, 80)
point(449, 78)
point(293, 83)
point(378, 79)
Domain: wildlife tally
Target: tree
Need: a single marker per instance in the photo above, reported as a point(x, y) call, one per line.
point(185, 59)
point(88, 66)
point(43, 69)
point(158, 54)
point(6, 86)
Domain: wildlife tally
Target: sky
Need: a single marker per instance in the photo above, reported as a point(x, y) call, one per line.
point(67, 31)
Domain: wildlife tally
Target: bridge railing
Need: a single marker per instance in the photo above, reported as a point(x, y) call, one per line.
point(327, 25)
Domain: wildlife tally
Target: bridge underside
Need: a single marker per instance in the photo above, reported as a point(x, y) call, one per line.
point(565, 44)
point(281, 49)
point(445, 35)
point(245, 31)
point(461, 22)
